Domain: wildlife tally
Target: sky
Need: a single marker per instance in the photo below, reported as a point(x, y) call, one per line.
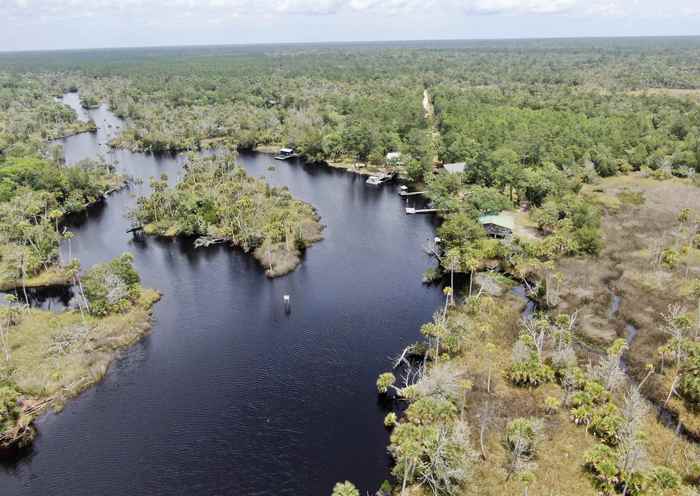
point(67, 24)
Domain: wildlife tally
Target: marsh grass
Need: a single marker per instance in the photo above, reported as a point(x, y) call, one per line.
point(640, 219)
point(55, 356)
point(54, 276)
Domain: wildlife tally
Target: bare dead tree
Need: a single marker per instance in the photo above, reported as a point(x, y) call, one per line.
point(538, 330)
point(402, 357)
point(676, 325)
point(486, 418)
point(672, 389)
point(3, 340)
point(609, 371)
point(631, 453)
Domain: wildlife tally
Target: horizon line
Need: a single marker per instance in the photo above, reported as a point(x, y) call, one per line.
point(343, 42)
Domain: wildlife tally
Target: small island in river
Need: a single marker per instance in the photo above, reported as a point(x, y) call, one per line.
point(217, 202)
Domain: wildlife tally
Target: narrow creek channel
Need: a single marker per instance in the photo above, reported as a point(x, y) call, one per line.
point(229, 394)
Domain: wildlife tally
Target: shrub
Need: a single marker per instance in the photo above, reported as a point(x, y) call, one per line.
point(592, 408)
point(670, 258)
point(112, 286)
point(605, 422)
point(588, 240)
point(385, 488)
point(345, 489)
point(592, 393)
point(601, 462)
point(432, 274)
point(531, 373)
point(661, 174)
point(430, 410)
point(385, 381)
point(689, 385)
point(390, 420)
point(9, 408)
point(664, 478)
point(551, 405)
point(523, 434)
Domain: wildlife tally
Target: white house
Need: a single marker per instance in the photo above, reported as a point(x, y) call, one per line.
point(393, 158)
point(456, 168)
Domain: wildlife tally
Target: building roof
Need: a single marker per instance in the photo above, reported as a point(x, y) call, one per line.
point(500, 220)
point(456, 168)
point(393, 155)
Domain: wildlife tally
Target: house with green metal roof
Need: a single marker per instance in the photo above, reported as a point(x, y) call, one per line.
point(498, 226)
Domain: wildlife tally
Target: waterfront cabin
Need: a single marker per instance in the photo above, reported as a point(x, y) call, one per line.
point(497, 226)
point(456, 168)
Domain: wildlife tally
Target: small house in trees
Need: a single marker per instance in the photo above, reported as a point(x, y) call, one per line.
point(456, 168)
point(497, 226)
point(393, 158)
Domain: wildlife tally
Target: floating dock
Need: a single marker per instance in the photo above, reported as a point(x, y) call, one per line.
point(412, 193)
point(286, 157)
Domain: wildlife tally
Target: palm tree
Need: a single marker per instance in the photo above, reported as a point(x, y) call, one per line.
point(453, 263)
point(471, 262)
point(345, 489)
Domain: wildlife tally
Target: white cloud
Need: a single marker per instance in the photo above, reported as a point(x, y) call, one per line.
point(605, 9)
point(308, 7)
point(63, 8)
point(518, 6)
point(216, 10)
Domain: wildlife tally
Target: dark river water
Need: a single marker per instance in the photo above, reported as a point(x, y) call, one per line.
point(229, 394)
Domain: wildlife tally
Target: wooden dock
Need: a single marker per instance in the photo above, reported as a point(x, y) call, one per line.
point(412, 211)
point(412, 193)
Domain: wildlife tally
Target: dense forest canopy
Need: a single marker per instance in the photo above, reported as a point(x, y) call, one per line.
point(361, 101)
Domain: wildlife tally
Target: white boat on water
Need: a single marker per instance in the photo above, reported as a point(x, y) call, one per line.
point(286, 153)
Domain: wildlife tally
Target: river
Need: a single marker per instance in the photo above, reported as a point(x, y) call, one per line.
point(229, 394)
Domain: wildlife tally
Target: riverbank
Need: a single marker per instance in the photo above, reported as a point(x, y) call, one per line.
point(52, 273)
point(47, 358)
point(360, 168)
point(79, 127)
point(54, 276)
